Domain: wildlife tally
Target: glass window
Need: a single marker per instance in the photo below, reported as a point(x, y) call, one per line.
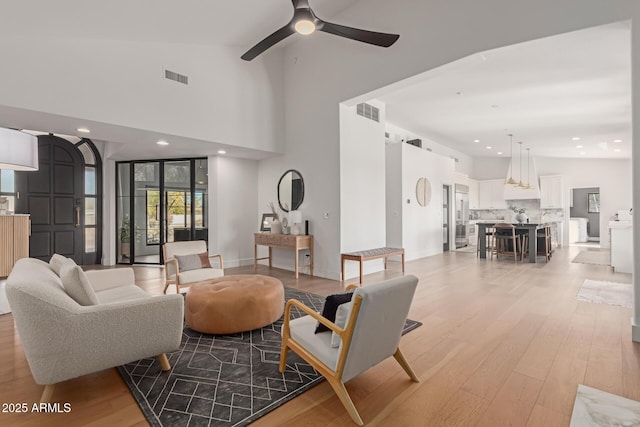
point(89, 239)
point(7, 184)
point(153, 217)
point(90, 211)
point(89, 158)
point(90, 181)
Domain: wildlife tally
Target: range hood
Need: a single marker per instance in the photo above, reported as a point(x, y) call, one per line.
point(528, 176)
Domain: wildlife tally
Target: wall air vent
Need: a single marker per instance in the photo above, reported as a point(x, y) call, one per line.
point(180, 78)
point(368, 111)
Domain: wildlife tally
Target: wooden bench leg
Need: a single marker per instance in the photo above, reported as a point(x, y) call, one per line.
point(360, 271)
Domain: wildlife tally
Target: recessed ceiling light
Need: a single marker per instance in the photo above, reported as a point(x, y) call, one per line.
point(576, 138)
point(495, 106)
point(489, 147)
point(476, 140)
point(579, 146)
point(617, 140)
point(582, 153)
point(162, 143)
point(499, 153)
point(83, 130)
point(222, 152)
point(459, 93)
point(617, 150)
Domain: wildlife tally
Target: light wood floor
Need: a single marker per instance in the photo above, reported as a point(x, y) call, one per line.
point(501, 344)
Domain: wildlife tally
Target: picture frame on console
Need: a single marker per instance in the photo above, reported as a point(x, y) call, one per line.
point(267, 219)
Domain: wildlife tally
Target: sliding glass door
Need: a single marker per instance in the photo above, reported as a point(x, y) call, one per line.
point(169, 204)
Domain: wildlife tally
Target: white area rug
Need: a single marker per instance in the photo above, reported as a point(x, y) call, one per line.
point(594, 407)
point(606, 293)
point(593, 257)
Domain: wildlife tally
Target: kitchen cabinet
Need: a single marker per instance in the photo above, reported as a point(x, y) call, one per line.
point(552, 192)
point(621, 246)
point(474, 189)
point(491, 194)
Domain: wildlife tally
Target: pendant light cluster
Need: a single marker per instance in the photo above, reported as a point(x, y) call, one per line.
point(520, 184)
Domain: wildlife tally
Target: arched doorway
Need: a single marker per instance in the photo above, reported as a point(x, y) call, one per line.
point(63, 198)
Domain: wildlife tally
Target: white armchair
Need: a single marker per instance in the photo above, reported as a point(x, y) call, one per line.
point(63, 339)
point(374, 320)
point(174, 275)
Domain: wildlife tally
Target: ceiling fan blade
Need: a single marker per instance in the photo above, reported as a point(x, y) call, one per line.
point(269, 41)
point(366, 36)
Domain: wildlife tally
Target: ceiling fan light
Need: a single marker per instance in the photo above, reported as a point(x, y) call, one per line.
point(305, 27)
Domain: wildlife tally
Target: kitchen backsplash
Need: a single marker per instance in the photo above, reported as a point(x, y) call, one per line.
point(531, 207)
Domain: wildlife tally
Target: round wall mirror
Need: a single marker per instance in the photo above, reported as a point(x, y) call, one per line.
point(423, 191)
point(290, 190)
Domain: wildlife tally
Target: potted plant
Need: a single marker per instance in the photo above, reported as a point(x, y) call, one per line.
point(125, 237)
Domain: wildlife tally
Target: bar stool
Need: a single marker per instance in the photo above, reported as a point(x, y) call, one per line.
point(489, 243)
point(506, 241)
point(543, 236)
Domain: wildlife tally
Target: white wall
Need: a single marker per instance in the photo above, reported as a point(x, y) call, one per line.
point(463, 163)
point(233, 201)
point(323, 70)
point(119, 82)
point(362, 192)
point(393, 189)
point(422, 225)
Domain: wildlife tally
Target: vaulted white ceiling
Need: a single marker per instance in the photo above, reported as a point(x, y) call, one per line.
point(209, 22)
point(545, 92)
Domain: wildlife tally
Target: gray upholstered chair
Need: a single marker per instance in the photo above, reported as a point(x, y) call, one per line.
point(65, 337)
point(175, 275)
point(373, 324)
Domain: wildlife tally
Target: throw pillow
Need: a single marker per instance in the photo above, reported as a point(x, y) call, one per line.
point(77, 285)
point(331, 304)
point(342, 316)
point(57, 261)
point(193, 262)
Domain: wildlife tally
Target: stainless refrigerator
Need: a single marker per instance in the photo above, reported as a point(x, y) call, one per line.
point(462, 215)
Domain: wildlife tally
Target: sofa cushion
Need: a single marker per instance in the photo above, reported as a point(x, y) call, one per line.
point(342, 316)
point(192, 276)
point(193, 261)
point(121, 293)
point(57, 261)
point(77, 285)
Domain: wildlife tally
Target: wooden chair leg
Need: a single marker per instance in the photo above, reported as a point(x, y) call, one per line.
point(47, 393)
point(164, 362)
point(166, 286)
point(343, 395)
point(405, 365)
point(283, 356)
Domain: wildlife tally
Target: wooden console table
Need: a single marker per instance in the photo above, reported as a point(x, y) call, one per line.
point(285, 241)
point(367, 255)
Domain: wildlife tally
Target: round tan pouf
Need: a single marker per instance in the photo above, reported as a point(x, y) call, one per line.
point(231, 304)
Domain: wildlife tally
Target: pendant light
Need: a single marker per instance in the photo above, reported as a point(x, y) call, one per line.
point(511, 181)
point(521, 184)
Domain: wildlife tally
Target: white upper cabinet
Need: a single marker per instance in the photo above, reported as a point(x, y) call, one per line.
point(491, 194)
point(474, 190)
point(551, 191)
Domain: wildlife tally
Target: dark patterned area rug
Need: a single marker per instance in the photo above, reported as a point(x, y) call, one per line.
point(224, 380)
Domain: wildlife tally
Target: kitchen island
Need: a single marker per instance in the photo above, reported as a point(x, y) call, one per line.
point(530, 228)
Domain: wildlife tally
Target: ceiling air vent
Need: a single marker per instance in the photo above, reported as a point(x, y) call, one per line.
point(180, 78)
point(368, 111)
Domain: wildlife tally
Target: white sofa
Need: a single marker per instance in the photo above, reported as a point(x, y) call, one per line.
point(63, 339)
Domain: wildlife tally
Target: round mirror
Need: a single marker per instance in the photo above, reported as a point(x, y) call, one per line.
point(290, 190)
point(423, 191)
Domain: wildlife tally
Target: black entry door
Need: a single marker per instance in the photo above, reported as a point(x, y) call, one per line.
point(53, 196)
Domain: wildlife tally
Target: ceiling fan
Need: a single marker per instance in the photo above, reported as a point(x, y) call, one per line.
point(305, 22)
